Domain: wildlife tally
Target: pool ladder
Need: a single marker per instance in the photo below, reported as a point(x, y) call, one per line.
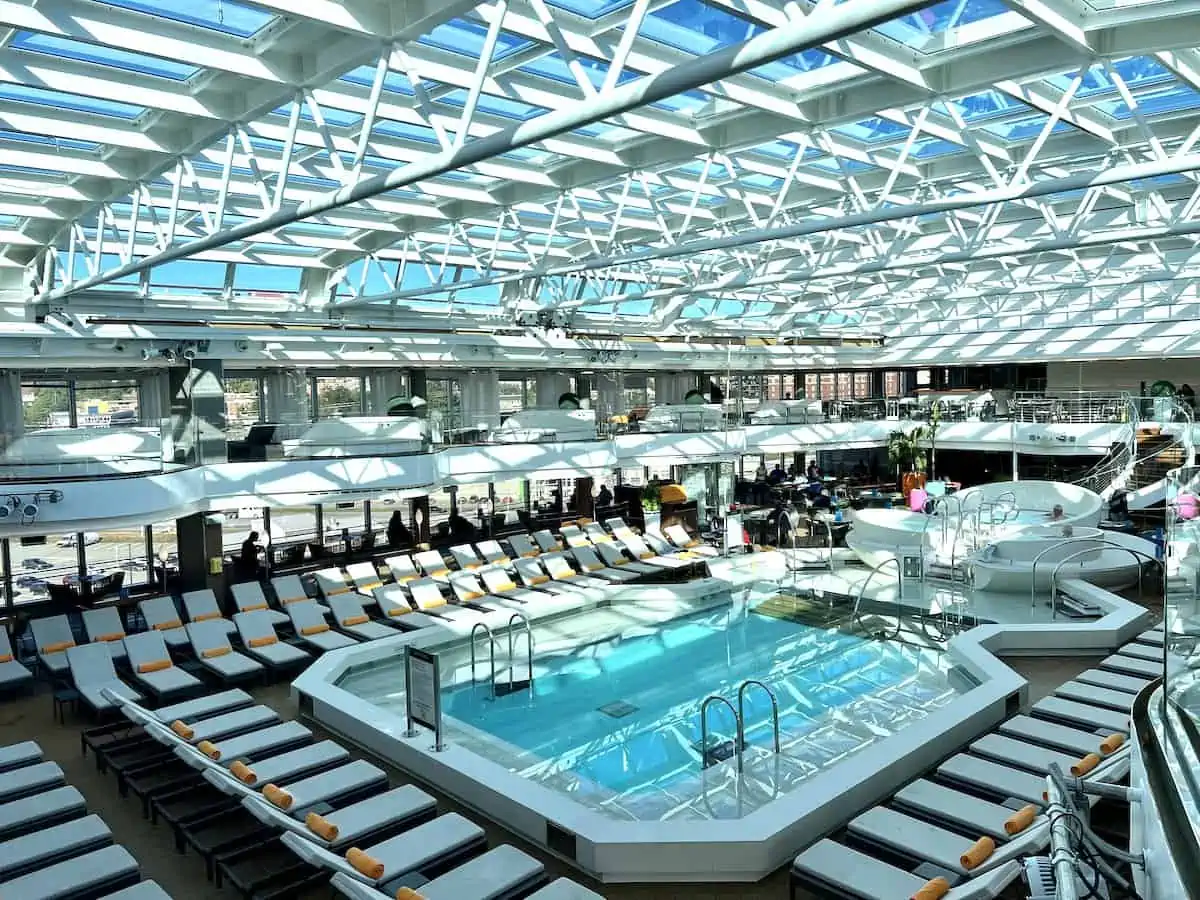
point(739, 720)
point(521, 625)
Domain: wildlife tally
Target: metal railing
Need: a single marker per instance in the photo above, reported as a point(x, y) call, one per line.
point(737, 723)
point(1099, 544)
point(855, 614)
point(491, 653)
point(1138, 556)
point(1079, 407)
point(741, 711)
point(523, 621)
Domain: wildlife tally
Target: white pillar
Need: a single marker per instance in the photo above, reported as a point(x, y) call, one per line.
point(610, 394)
point(12, 410)
point(481, 398)
point(382, 386)
point(551, 386)
point(286, 396)
point(154, 399)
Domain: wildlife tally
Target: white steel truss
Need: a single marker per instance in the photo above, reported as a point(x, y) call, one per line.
point(755, 166)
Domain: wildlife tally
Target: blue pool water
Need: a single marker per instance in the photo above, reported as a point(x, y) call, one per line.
point(616, 721)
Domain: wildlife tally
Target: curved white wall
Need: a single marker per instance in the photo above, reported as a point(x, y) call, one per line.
point(1080, 506)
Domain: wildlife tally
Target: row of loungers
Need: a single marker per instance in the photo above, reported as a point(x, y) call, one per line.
point(971, 820)
point(51, 848)
point(276, 812)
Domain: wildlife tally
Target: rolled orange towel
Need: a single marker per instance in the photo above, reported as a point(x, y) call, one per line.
point(1112, 743)
point(321, 827)
point(182, 730)
point(977, 854)
point(278, 796)
point(209, 749)
point(206, 617)
point(1085, 765)
point(1020, 820)
point(214, 652)
point(313, 629)
point(254, 607)
point(355, 620)
point(932, 889)
point(243, 773)
point(407, 893)
point(365, 863)
point(263, 641)
point(157, 666)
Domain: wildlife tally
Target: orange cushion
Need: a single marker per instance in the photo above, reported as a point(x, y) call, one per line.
point(530, 555)
point(407, 893)
point(6, 658)
point(566, 575)
point(405, 579)
point(206, 617)
point(365, 863)
point(167, 626)
point(254, 607)
point(539, 579)
point(439, 573)
point(263, 641)
point(183, 730)
point(468, 596)
point(209, 749)
point(355, 620)
point(59, 647)
point(593, 567)
point(314, 629)
point(434, 604)
point(619, 562)
point(286, 600)
point(506, 586)
point(978, 853)
point(646, 555)
point(214, 652)
point(399, 611)
point(370, 586)
point(157, 666)
point(502, 561)
point(243, 773)
point(278, 796)
point(109, 638)
point(1112, 743)
point(933, 889)
point(321, 827)
point(1085, 765)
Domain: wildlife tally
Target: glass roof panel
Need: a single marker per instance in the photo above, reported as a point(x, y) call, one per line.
point(63, 143)
point(217, 15)
point(984, 105)
point(592, 9)
point(496, 106)
point(112, 57)
point(873, 129)
point(921, 30)
point(1025, 128)
point(74, 102)
point(467, 37)
point(1167, 98)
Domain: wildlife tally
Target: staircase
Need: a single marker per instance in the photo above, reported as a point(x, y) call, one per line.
point(1158, 452)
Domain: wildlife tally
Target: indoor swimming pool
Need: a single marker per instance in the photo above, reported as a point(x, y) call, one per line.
point(613, 717)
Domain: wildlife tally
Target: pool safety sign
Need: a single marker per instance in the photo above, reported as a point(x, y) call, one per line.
point(423, 693)
point(912, 566)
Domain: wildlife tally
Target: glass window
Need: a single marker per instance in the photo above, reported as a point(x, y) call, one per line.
point(39, 561)
point(339, 396)
point(812, 385)
point(100, 403)
point(862, 385)
point(845, 385)
point(773, 387)
point(241, 406)
point(891, 384)
point(512, 396)
point(121, 550)
point(828, 386)
point(46, 406)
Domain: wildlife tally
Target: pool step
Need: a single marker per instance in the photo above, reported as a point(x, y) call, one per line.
point(804, 609)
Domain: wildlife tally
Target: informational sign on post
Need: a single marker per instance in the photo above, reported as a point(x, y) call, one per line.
point(423, 687)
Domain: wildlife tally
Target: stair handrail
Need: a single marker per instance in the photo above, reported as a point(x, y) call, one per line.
point(525, 625)
point(1102, 475)
point(1138, 556)
point(1037, 559)
point(737, 723)
point(491, 652)
point(741, 717)
point(893, 560)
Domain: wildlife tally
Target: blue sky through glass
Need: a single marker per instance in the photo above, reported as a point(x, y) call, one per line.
point(217, 15)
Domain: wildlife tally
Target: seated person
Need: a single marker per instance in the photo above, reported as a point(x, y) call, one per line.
point(1057, 513)
point(777, 476)
point(814, 471)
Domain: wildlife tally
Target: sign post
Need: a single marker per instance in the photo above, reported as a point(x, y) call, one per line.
point(423, 694)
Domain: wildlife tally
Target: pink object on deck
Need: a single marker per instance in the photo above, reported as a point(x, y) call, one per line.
point(916, 499)
point(1187, 506)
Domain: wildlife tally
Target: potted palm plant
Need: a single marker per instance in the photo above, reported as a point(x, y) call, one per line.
point(906, 452)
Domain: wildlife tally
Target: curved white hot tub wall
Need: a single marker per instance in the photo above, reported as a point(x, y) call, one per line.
point(1080, 506)
point(881, 534)
point(1011, 564)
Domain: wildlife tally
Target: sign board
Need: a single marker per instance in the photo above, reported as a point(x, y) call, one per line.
point(735, 534)
point(423, 698)
point(911, 567)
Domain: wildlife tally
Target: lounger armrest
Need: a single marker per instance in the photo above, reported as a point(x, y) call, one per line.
point(318, 856)
point(987, 886)
point(355, 890)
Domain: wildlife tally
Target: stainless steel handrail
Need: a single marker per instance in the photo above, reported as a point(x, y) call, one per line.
point(1037, 559)
point(737, 722)
point(523, 619)
point(754, 682)
point(854, 613)
point(1138, 555)
point(491, 652)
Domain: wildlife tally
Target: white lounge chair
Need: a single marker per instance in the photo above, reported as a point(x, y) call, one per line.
point(466, 558)
point(558, 568)
point(203, 707)
point(289, 589)
point(432, 564)
point(211, 644)
point(500, 584)
point(31, 779)
point(469, 592)
point(365, 577)
point(346, 826)
point(202, 606)
point(249, 598)
point(684, 541)
point(524, 546)
point(162, 616)
point(59, 804)
point(590, 564)
point(503, 871)
point(348, 614)
point(427, 597)
point(92, 671)
point(402, 569)
point(353, 777)
point(394, 605)
point(311, 628)
point(279, 768)
point(1119, 701)
point(547, 542)
point(13, 673)
point(1051, 734)
point(258, 743)
point(14, 756)
point(257, 631)
point(596, 533)
point(331, 581)
point(1074, 713)
point(52, 636)
point(574, 537)
point(87, 875)
point(104, 626)
point(492, 553)
point(47, 846)
point(228, 724)
point(153, 668)
point(640, 549)
point(615, 557)
point(532, 575)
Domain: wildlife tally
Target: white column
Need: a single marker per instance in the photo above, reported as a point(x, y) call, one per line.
point(551, 386)
point(481, 398)
point(12, 410)
point(610, 394)
point(154, 399)
point(286, 396)
point(382, 386)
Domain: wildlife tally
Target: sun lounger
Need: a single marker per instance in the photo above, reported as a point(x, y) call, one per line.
point(87, 875)
point(331, 581)
point(226, 725)
point(44, 808)
point(558, 568)
point(202, 606)
point(152, 667)
point(249, 597)
point(911, 838)
point(289, 589)
point(465, 557)
point(104, 626)
point(613, 556)
point(1075, 713)
point(292, 764)
point(640, 549)
point(500, 584)
point(92, 671)
point(25, 753)
point(383, 812)
point(162, 616)
point(143, 890)
point(303, 795)
point(493, 554)
point(469, 592)
point(524, 547)
point(574, 537)
point(1131, 665)
point(308, 619)
point(1050, 734)
point(1142, 651)
point(428, 598)
point(1119, 701)
point(39, 849)
point(531, 574)
point(596, 534)
point(203, 707)
point(210, 641)
point(1155, 637)
point(678, 536)
point(52, 636)
point(432, 564)
point(502, 872)
point(1021, 755)
point(396, 608)
point(846, 872)
point(1113, 681)
point(943, 804)
point(547, 542)
point(992, 778)
point(348, 615)
point(563, 889)
point(258, 743)
point(364, 576)
point(401, 568)
point(31, 779)
point(667, 550)
point(446, 836)
point(257, 632)
point(13, 674)
point(590, 563)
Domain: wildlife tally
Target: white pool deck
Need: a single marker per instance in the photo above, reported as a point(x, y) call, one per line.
point(735, 849)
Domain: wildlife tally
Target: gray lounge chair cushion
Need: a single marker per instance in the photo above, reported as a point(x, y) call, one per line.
point(200, 707)
point(375, 813)
point(58, 841)
point(564, 889)
point(250, 594)
point(1020, 754)
point(497, 873)
point(286, 766)
point(1096, 696)
point(146, 890)
point(13, 674)
point(167, 681)
point(48, 632)
point(92, 671)
point(318, 788)
point(236, 722)
point(370, 631)
point(1130, 665)
point(232, 665)
point(82, 874)
point(420, 846)
point(944, 804)
point(21, 814)
point(93, 694)
point(103, 622)
point(1142, 651)
point(162, 610)
point(22, 754)
point(1081, 714)
point(911, 837)
point(258, 743)
point(1155, 637)
point(203, 603)
point(993, 778)
point(1114, 681)
point(279, 654)
point(30, 779)
point(1051, 734)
